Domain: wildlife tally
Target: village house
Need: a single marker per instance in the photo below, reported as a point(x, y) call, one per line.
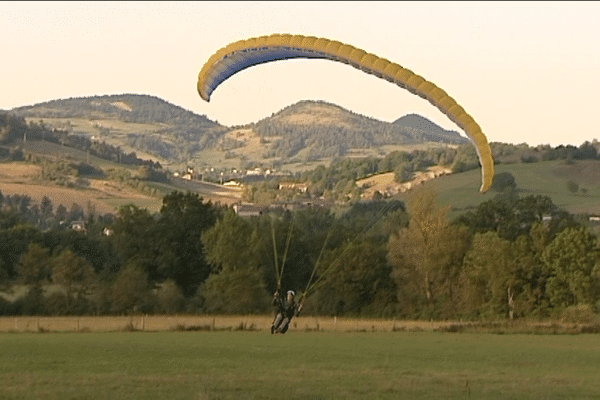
point(248, 210)
point(78, 226)
point(300, 187)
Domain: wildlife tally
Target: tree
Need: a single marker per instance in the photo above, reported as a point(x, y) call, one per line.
point(3, 277)
point(238, 291)
point(13, 243)
point(504, 181)
point(493, 215)
point(572, 258)
point(169, 298)
point(531, 273)
point(76, 213)
point(34, 265)
point(426, 258)
point(488, 276)
point(135, 239)
point(182, 220)
point(131, 291)
point(572, 186)
point(509, 216)
point(46, 211)
point(360, 284)
point(33, 303)
point(231, 243)
point(73, 273)
point(61, 213)
point(237, 283)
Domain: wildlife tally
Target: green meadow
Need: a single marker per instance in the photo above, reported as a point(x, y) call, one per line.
point(298, 365)
point(546, 178)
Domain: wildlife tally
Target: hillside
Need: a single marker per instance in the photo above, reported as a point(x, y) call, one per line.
point(431, 131)
point(67, 175)
point(386, 184)
point(125, 107)
point(306, 131)
point(547, 178)
point(144, 124)
point(320, 129)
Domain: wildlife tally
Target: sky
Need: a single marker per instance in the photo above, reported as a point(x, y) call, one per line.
point(527, 72)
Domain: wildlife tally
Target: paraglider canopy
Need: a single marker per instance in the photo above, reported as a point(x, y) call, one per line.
point(243, 54)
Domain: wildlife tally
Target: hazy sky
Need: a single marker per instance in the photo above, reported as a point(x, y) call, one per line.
point(526, 71)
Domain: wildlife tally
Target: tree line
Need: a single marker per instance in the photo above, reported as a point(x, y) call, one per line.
point(510, 257)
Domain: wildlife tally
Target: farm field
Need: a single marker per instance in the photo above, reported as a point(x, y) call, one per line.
point(106, 196)
point(17, 178)
point(298, 365)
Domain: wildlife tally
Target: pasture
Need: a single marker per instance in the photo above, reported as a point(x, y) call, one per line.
point(338, 362)
point(546, 178)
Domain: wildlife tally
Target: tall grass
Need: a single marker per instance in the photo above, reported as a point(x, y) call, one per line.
point(161, 323)
point(183, 323)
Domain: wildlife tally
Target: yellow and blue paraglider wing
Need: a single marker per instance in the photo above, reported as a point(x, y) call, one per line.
point(240, 55)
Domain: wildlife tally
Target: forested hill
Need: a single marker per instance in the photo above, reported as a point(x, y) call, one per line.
point(433, 131)
point(125, 107)
point(329, 130)
point(138, 122)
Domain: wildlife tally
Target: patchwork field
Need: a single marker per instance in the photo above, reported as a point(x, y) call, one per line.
point(298, 365)
point(105, 196)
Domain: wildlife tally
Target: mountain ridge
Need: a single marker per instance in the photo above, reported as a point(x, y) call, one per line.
point(315, 129)
point(326, 129)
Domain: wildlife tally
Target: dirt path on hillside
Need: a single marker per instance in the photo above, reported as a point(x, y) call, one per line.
point(387, 186)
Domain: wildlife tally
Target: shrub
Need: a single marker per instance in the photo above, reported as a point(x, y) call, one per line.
point(240, 291)
point(170, 300)
point(56, 303)
point(581, 314)
point(6, 307)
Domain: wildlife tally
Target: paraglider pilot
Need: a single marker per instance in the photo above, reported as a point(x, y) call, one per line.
point(286, 309)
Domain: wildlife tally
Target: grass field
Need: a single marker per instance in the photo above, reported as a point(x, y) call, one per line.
point(298, 365)
point(548, 178)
